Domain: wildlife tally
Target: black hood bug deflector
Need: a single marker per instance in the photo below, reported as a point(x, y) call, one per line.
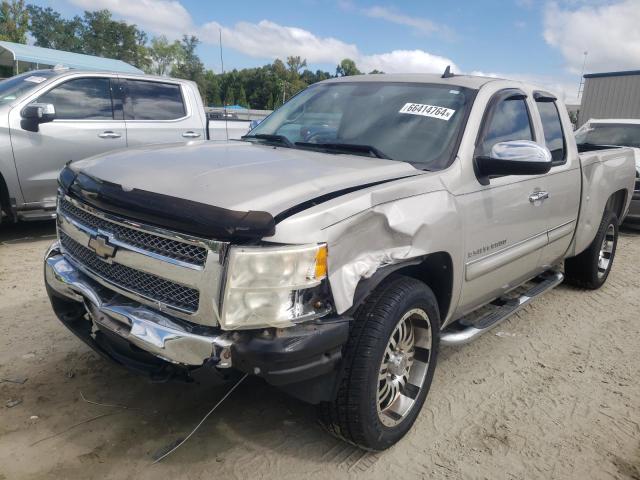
point(169, 212)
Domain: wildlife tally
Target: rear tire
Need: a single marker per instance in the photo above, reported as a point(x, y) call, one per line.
point(389, 361)
point(591, 268)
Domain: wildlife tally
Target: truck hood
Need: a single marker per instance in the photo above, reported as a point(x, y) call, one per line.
point(239, 176)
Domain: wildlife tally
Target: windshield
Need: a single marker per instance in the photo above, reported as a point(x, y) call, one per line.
point(620, 134)
point(14, 87)
point(415, 123)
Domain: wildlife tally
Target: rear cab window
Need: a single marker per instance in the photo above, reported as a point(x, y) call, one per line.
point(552, 127)
point(148, 100)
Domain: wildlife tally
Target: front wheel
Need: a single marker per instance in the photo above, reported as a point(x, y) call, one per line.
point(389, 360)
point(591, 268)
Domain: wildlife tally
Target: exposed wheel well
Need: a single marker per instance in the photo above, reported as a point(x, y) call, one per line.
point(616, 203)
point(5, 201)
point(436, 270)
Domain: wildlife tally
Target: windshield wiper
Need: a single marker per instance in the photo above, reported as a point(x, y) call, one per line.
point(281, 139)
point(345, 147)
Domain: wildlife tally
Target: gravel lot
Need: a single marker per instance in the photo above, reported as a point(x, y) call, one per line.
point(552, 393)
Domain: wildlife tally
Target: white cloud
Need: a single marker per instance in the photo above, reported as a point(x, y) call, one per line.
point(405, 61)
point(609, 32)
point(267, 39)
point(167, 17)
point(420, 25)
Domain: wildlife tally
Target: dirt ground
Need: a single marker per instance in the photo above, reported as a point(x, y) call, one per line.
point(551, 393)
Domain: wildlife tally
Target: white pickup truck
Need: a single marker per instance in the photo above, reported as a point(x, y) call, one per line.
point(361, 226)
point(51, 117)
point(615, 132)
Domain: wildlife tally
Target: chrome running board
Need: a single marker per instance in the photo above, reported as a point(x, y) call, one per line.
point(466, 329)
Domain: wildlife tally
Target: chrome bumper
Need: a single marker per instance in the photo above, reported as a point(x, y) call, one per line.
point(149, 330)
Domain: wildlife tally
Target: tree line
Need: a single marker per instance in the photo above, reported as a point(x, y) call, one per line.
point(98, 33)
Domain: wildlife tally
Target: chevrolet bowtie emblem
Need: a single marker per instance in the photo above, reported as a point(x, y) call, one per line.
point(100, 244)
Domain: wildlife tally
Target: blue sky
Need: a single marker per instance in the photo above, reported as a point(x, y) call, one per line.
point(537, 40)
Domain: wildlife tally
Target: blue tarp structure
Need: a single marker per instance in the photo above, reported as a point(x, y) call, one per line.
point(27, 57)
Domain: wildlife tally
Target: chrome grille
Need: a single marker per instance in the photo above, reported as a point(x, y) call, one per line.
point(174, 249)
point(141, 283)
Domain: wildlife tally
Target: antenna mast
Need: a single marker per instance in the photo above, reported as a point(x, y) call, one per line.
point(226, 127)
point(581, 86)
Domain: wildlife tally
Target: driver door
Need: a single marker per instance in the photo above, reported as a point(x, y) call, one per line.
point(505, 232)
point(86, 124)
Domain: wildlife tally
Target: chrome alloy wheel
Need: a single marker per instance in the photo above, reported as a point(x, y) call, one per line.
point(606, 249)
point(404, 366)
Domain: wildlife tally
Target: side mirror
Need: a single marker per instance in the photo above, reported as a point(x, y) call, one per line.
point(36, 113)
point(516, 157)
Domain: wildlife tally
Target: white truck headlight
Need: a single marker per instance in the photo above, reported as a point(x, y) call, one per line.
point(274, 286)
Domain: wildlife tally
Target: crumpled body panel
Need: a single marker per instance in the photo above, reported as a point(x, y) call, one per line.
point(385, 225)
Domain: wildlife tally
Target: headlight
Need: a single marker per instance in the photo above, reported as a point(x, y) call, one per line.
point(274, 286)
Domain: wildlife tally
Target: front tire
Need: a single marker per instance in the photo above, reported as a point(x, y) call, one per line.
point(591, 268)
point(389, 362)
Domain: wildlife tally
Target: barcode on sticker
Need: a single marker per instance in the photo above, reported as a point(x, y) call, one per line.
point(433, 111)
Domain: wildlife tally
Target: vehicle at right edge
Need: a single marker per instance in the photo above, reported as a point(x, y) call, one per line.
point(331, 252)
point(615, 132)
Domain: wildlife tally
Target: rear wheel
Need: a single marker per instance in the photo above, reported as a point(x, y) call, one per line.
point(389, 360)
point(591, 268)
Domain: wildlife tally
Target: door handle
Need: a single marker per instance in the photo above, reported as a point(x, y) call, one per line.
point(538, 196)
point(109, 134)
point(190, 134)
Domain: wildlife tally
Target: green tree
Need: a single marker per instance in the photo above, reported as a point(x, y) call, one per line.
point(105, 37)
point(50, 30)
point(295, 64)
point(14, 21)
point(212, 88)
point(164, 55)
point(241, 98)
point(189, 65)
point(346, 68)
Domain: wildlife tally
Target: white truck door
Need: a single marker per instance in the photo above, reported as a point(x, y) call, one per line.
point(86, 124)
point(160, 112)
point(504, 232)
point(562, 183)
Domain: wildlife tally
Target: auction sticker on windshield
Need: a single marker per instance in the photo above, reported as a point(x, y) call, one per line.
point(433, 111)
point(34, 79)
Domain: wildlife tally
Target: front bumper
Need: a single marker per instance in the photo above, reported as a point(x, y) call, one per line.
point(150, 341)
point(149, 330)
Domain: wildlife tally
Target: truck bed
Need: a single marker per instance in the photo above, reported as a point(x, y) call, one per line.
point(605, 171)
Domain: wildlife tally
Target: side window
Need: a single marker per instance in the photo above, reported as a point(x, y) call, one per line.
point(81, 99)
point(153, 101)
point(552, 127)
point(510, 121)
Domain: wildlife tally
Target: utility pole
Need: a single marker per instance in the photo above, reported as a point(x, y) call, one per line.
point(284, 92)
point(581, 86)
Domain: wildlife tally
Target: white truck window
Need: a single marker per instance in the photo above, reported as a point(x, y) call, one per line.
point(552, 128)
point(81, 99)
point(153, 101)
point(510, 121)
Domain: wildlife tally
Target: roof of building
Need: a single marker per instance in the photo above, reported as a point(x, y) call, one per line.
point(623, 121)
point(49, 56)
point(612, 74)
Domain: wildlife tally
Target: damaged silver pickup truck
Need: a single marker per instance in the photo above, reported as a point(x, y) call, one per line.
point(365, 223)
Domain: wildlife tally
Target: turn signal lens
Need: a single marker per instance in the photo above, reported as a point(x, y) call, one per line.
point(321, 263)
